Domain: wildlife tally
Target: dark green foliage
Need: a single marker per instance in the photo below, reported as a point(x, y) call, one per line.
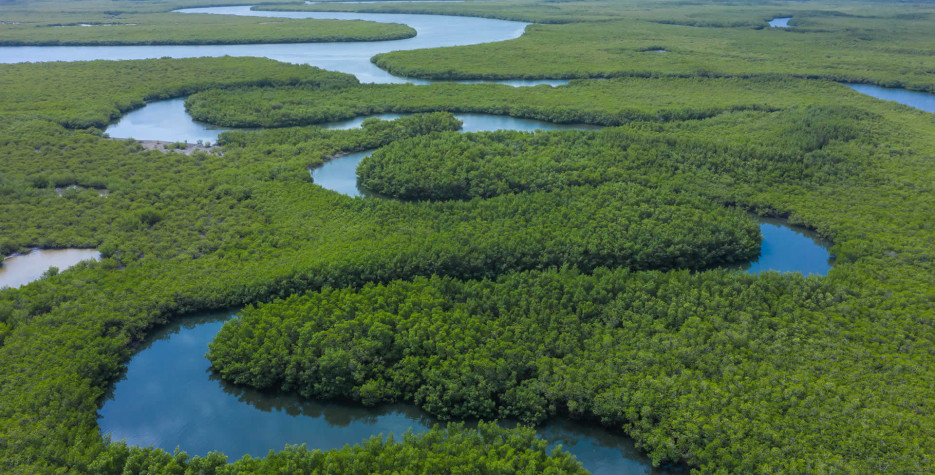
point(463, 166)
point(109, 88)
point(603, 102)
point(731, 372)
point(533, 345)
point(454, 449)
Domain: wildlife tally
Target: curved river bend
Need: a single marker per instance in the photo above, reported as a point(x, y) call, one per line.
point(169, 397)
point(433, 31)
point(784, 248)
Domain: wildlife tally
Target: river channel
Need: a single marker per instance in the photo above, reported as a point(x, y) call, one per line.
point(433, 31)
point(170, 398)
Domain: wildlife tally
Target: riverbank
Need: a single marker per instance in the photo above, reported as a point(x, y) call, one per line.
point(175, 147)
point(85, 29)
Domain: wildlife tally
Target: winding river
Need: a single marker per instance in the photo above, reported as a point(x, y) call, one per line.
point(433, 31)
point(187, 405)
point(170, 398)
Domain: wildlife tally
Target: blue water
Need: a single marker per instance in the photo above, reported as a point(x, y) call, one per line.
point(780, 22)
point(919, 100)
point(788, 248)
point(340, 174)
point(433, 31)
point(164, 120)
point(170, 398)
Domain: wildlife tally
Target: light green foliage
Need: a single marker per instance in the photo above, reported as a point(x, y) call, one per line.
point(96, 22)
point(730, 372)
point(48, 91)
point(189, 29)
point(882, 44)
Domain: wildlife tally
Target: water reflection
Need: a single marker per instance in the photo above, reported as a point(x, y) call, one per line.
point(22, 269)
point(787, 248)
point(780, 22)
point(918, 100)
point(164, 120)
point(171, 398)
point(340, 174)
point(606, 451)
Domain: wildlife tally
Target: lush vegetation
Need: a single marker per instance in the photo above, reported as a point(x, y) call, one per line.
point(146, 22)
point(488, 449)
point(533, 345)
point(882, 44)
point(189, 29)
point(602, 102)
point(453, 166)
point(109, 88)
point(554, 281)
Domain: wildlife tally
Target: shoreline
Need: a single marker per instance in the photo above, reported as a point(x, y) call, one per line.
point(166, 146)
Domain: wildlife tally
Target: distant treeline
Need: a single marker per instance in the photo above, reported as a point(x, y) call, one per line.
point(885, 44)
point(91, 29)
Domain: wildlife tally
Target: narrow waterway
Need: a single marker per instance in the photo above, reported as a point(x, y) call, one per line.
point(918, 100)
point(433, 31)
point(165, 121)
point(171, 398)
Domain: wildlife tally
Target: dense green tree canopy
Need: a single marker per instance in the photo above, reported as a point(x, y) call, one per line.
point(520, 275)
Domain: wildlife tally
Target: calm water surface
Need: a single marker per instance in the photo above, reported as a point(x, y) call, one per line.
point(170, 398)
point(919, 100)
point(787, 248)
point(164, 120)
point(349, 57)
point(780, 22)
point(340, 174)
point(23, 269)
point(784, 248)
